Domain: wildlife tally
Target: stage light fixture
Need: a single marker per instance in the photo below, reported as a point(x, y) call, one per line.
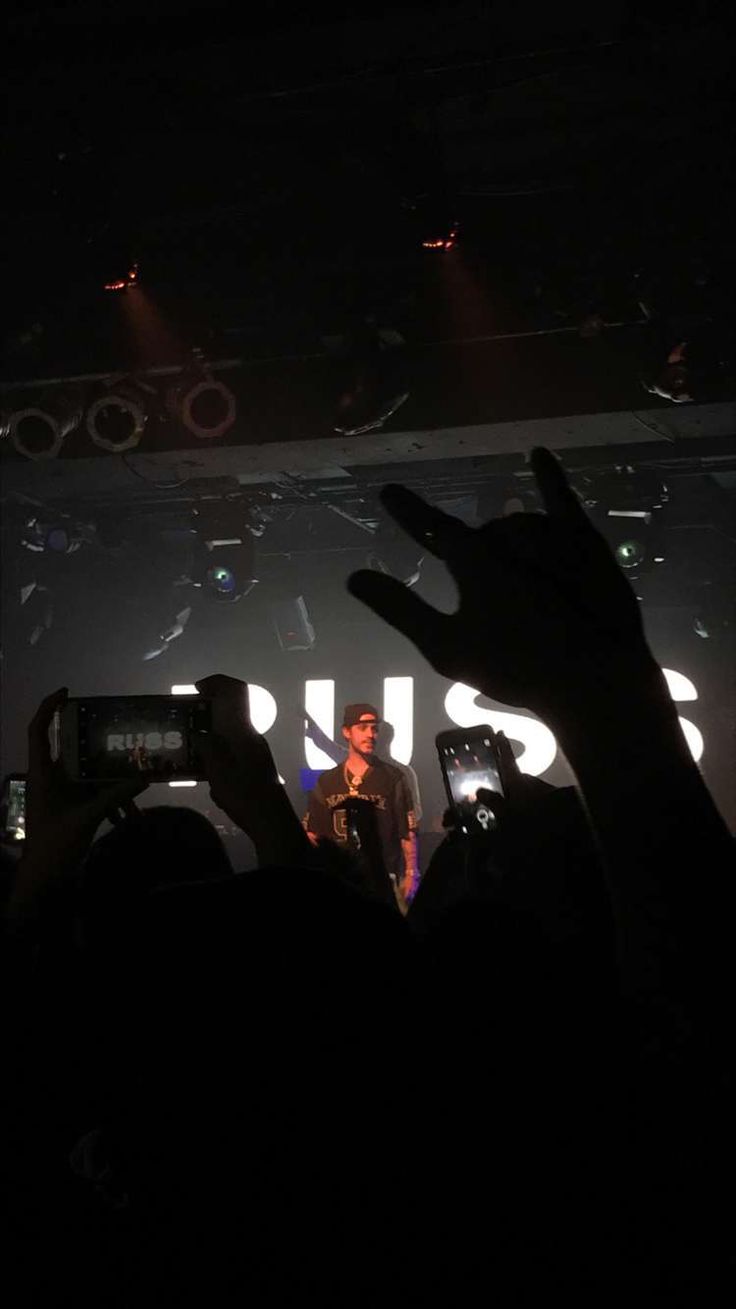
point(60, 536)
point(442, 242)
point(698, 368)
point(208, 409)
point(434, 224)
point(636, 541)
point(292, 623)
point(202, 403)
point(396, 558)
point(225, 564)
point(116, 420)
point(38, 430)
point(630, 553)
point(714, 615)
point(222, 581)
point(674, 382)
point(170, 634)
point(229, 573)
point(38, 610)
point(626, 506)
point(373, 385)
point(284, 586)
point(126, 280)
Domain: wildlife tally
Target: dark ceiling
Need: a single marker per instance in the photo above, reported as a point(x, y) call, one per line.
point(274, 173)
point(262, 166)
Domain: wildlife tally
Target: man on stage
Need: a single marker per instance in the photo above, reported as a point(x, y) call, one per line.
point(363, 779)
point(338, 751)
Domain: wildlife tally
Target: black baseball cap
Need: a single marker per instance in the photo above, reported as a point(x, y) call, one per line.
point(354, 713)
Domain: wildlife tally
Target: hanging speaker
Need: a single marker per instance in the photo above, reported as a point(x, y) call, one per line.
point(293, 625)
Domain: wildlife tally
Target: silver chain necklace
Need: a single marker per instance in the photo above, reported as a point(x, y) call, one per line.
point(354, 781)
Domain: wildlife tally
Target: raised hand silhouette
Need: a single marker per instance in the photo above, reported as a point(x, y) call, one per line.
point(541, 599)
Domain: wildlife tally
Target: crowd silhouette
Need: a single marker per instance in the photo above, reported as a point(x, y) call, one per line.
point(273, 1088)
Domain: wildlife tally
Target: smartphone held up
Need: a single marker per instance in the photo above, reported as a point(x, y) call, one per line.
point(13, 808)
point(107, 738)
point(469, 764)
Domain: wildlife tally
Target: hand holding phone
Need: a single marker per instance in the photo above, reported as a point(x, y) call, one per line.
point(151, 737)
point(243, 777)
point(13, 808)
point(469, 763)
point(62, 816)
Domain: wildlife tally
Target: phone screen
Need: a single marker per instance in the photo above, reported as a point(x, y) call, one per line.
point(110, 737)
point(468, 762)
point(15, 809)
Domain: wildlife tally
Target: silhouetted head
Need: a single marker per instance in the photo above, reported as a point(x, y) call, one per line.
point(165, 845)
